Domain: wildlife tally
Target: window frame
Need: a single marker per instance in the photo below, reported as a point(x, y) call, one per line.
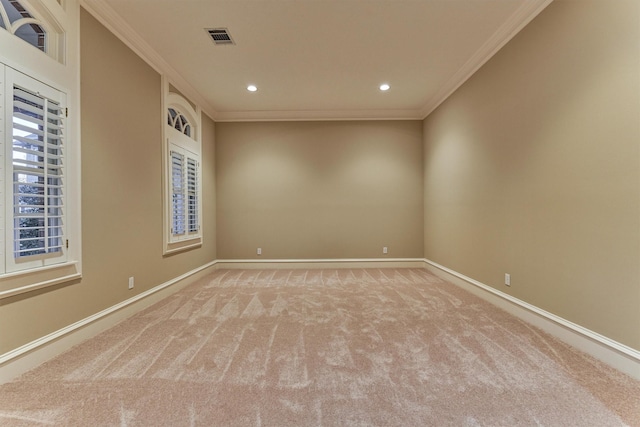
point(188, 144)
point(188, 230)
point(14, 79)
point(61, 73)
point(51, 18)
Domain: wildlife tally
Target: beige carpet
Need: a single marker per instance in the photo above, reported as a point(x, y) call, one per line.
point(393, 347)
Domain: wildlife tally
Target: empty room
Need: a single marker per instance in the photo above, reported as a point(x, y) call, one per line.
point(320, 213)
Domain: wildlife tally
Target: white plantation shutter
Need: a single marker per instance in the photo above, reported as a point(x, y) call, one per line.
point(185, 196)
point(177, 193)
point(33, 173)
point(192, 191)
point(38, 174)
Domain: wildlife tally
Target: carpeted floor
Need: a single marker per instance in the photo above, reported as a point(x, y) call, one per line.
point(391, 347)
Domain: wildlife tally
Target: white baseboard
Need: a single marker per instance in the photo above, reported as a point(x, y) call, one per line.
point(30, 355)
point(613, 353)
point(320, 263)
point(22, 359)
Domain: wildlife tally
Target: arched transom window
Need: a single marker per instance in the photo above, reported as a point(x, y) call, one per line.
point(15, 18)
point(178, 121)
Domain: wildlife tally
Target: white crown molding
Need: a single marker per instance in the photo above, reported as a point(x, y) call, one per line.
point(316, 115)
point(114, 23)
point(506, 32)
point(110, 19)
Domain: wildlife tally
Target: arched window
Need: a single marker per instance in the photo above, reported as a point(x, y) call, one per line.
point(40, 243)
point(178, 121)
point(18, 21)
point(183, 177)
point(34, 24)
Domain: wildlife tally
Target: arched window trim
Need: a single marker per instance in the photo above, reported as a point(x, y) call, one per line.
point(39, 29)
point(182, 107)
point(182, 174)
point(178, 121)
point(44, 17)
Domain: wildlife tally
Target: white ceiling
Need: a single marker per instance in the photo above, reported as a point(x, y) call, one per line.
point(317, 59)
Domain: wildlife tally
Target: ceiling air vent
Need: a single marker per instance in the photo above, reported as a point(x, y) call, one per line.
point(220, 36)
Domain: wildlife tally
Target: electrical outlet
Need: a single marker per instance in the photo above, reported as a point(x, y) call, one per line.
point(507, 279)
point(131, 282)
point(259, 251)
point(385, 250)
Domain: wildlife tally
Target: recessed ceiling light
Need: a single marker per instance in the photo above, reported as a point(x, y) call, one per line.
point(252, 88)
point(384, 87)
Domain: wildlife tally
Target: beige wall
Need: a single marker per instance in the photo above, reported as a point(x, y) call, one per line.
point(533, 168)
point(121, 195)
point(319, 190)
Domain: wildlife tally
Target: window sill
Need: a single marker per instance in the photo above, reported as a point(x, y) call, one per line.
point(181, 246)
point(21, 282)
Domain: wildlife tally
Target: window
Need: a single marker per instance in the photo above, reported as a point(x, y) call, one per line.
point(183, 176)
point(36, 26)
point(178, 122)
point(34, 173)
point(40, 241)
point(17, 20)
point(185, 197)
point(38, 178)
